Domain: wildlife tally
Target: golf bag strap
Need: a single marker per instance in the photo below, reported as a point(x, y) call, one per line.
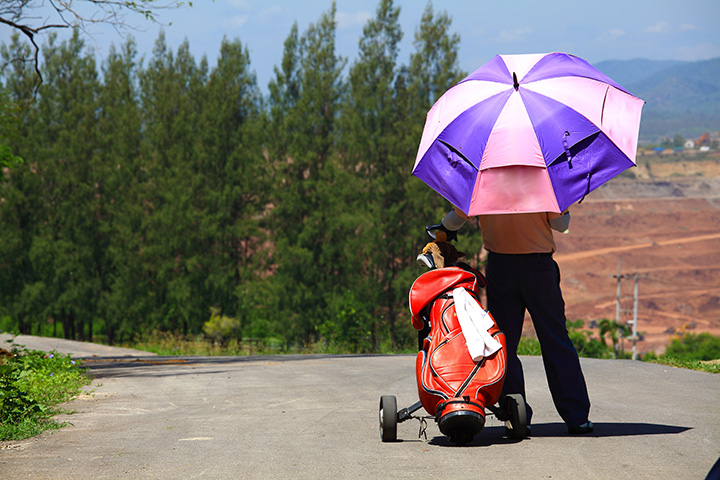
point(480, 277)
point(428, 286)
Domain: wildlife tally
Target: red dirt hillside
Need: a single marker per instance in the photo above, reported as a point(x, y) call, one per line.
point(665, 226)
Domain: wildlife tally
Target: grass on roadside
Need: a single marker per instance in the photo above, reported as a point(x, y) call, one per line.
point(699, 365)
point(173, 343)
point(689, 352)
point(33, 385)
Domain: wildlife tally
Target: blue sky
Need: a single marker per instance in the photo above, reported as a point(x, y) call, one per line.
point(595, 31)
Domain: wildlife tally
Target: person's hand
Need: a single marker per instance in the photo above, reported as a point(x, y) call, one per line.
point(440, 233)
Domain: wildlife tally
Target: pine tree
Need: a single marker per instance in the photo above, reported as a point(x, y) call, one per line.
point(172, 98)
point(305, 100)
point(434, 63)
point(19, 187)
point(67, 251)
point(233, 191)
point(373, 129)
point(119, 140)
point(433, 70)
point(151, 194)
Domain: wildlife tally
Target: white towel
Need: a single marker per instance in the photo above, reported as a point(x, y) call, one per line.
point(474, 323)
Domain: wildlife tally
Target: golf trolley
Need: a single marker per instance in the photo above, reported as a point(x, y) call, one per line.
point(453, 388)
point(513, 415)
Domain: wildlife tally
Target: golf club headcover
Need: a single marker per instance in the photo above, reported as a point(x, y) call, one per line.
point(439, 254)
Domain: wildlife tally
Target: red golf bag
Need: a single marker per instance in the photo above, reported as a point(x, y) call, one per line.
point(451, 386)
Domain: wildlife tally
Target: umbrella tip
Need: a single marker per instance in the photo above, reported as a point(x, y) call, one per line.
point(516, 84)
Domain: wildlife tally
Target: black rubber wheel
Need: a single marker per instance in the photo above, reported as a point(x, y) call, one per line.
point(515, 406)
point(388, 418)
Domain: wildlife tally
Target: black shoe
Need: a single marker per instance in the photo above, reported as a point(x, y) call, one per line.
point(586, 427)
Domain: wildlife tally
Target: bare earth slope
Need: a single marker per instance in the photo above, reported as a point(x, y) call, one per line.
point(666, 230)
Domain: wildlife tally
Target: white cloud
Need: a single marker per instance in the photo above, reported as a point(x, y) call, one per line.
point(514, 35)
point(657, 28)
point(273, 14)
point(236, 21)
point(687, 26)
point(616, 33)
point(240, 4)
point(351, 20)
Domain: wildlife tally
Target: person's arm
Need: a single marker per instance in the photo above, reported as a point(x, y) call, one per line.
point(559, 222)
point(454, 220)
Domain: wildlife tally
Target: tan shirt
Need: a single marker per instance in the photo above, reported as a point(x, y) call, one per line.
point(518, 232)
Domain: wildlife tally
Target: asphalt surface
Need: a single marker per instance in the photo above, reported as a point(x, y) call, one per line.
point(70, 347)
point(316, 417)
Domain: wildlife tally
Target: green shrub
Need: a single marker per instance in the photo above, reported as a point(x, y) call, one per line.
point(32, 385)
point(585, 345)
point(347, 328)
point(529, 346)
point(694, 347)
point(222, 328)
point(692, 351)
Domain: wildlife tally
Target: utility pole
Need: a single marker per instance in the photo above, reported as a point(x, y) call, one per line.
point(637, 277)
point(619, 277)
point(634, 321)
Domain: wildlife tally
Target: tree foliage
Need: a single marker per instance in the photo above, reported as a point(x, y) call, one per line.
point(614, 330)
point(23, 17)
point(155, 196)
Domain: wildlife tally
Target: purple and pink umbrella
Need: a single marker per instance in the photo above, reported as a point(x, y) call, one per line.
point(528, 133)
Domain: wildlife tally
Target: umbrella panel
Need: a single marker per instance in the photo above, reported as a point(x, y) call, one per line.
point(512, 189)
point(453, 177)
point(468, 133)
point(556, 65)
point(593, 161)
point(522, 189)
point(557, 126)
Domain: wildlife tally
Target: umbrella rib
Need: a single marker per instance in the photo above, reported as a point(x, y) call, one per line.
point(602, 112)
point(457, 152)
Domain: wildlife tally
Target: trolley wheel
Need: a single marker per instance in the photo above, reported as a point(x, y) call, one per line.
point(515, 406)
point(388, 418)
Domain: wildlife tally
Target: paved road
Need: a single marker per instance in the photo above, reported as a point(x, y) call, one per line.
point(70, 347)
point(315, 417)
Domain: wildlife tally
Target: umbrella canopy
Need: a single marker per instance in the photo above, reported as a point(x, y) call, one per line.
point(528, 133)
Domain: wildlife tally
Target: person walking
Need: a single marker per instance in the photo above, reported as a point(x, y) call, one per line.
point(523, 276)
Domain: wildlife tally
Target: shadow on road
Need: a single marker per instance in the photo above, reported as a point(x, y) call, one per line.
point(103, 367)
point(609, 429)
point(494, 435)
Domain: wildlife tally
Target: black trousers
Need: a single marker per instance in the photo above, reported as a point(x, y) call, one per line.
point(531, 282)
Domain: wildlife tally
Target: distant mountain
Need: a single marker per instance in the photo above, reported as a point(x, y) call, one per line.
point(681, 97)
point(687, 88)
point(628, 72)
